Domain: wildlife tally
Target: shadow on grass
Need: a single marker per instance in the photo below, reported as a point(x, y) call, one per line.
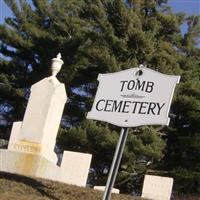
point(37, 185)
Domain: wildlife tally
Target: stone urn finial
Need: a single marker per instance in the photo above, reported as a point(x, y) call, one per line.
point(56, 64)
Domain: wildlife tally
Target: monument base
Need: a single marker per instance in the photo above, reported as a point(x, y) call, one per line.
point(29, 164)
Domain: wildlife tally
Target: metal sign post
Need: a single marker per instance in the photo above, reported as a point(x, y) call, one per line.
point(115, 163)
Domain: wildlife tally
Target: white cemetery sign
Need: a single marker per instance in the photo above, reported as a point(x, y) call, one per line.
point(127, 99)
point(131, 98)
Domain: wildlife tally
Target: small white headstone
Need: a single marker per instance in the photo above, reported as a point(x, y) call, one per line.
point(102, 188)
point(157, 187)
point(76, 166)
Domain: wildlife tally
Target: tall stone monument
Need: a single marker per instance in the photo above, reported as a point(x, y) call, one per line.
point(32, 141)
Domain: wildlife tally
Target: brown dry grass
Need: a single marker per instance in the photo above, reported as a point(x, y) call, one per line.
point(15, 187)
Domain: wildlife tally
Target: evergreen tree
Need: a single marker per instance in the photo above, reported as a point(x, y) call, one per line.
point(100, 36)
point(184, 135)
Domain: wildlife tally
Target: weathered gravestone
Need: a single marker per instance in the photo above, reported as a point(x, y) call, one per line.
point(32, 141)
point(157, 187)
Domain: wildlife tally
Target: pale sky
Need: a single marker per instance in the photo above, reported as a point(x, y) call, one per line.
point(191, 7)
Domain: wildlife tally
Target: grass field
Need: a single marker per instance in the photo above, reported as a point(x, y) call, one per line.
point(15, 187)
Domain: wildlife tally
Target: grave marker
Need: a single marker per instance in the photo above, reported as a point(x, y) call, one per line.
point(157, 187)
